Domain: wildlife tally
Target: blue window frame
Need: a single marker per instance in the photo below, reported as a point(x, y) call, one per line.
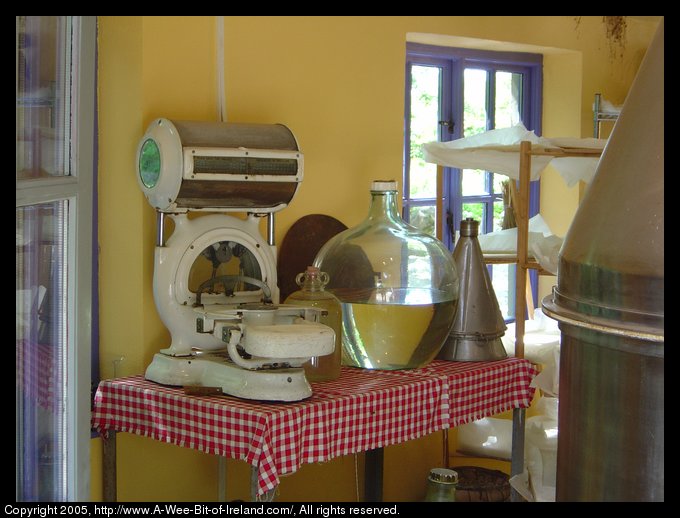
point(453, 93)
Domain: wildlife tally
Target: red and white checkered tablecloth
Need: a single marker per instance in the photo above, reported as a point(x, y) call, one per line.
point(361, 410)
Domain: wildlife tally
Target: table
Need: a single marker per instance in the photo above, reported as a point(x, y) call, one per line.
point(363, 410)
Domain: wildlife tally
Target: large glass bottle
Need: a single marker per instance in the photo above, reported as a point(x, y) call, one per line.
point(398, 287)
point(313, 294)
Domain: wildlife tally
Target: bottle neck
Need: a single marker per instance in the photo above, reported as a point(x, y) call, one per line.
point(384, 206)
point(312, 283)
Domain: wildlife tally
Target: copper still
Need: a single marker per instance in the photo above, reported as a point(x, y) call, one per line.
point(609, 301)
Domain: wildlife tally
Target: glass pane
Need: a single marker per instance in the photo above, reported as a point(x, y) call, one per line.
point(474, 182)
point(474, 96)
point(43, 96)
point(228, 260)
point(498, 214)
point(424, 218)
point(508, 99)
point(503, 280)
point(497, 182)
point(41, 340)
point(476, 211)
point(150, 163)
point(508, 215)
point(425, 84)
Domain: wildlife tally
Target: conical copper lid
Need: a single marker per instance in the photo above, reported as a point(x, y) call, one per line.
point(611, 265)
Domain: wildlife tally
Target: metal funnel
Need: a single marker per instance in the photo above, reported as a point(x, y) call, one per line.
point(478, 324)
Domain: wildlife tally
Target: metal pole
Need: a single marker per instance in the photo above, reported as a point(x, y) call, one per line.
point(253, 483)
point(109, 468)
point(268, 496)
point(596, 122)
point(522, 217)
point(373, 475)
point(160, 228)
point(270, 229)
point(517, 459)
point(221, 478)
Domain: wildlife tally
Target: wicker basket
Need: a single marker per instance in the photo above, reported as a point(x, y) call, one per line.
point(481, 485)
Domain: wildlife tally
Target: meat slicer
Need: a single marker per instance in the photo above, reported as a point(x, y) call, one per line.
point(214, 281)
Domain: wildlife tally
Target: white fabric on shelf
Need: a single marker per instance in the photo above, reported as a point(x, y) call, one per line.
point(498, 151)
point(608, 108)
point(541, 345)
point(543, 244)
point(505, 241)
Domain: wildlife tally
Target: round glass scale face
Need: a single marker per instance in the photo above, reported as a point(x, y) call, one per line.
point(228, 264)
point(149, 163)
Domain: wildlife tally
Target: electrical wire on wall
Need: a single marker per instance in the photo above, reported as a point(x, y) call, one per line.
point(219, 42)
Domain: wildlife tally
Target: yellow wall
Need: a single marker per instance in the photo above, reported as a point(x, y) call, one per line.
point(338, 83)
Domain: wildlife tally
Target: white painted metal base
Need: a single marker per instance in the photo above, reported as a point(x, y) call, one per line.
point(217, 370)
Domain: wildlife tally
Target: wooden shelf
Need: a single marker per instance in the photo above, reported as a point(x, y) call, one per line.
point(470, 455)
point(601, 116)
point(521, 205)
point(532, 263)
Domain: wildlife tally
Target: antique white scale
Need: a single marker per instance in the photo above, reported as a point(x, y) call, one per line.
point(215, 283)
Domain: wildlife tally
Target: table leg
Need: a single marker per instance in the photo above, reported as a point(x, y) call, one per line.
point(373, 475)
point(517, 459)
point(109, 460)
point(267, 497)
point(253, 483)
point(221, 478)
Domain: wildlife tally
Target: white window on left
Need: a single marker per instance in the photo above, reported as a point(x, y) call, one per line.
point(55, 157)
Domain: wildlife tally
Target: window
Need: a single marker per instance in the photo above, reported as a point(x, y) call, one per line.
point(455, 93)
point(55, 58)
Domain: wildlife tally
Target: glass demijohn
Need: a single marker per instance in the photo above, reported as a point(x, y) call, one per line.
point(398, 287)
point(313, 294)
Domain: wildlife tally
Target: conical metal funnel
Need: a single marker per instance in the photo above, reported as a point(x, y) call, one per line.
point(478, 324)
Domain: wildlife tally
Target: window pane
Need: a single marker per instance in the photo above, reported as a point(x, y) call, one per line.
point(425, 83)
point(424, 218)
point(474, 182)
point(476, 211)
point(474, 101)
point(503, 280)
point(508, 95)
point(43, 96)
point(41, 335)
point(224, 258)
point(497, 182)
point(498, 213)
